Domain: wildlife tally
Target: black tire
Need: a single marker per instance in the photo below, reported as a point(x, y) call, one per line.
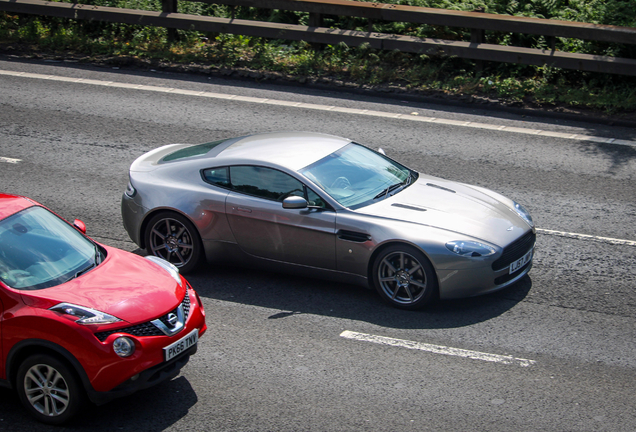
point(404, 277)
point(173, 237)
point(49, 390)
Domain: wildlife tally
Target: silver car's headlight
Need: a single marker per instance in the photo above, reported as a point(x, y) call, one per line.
point(85, 315)
point(523, 213)
point(130, 190)
point(169, 267)
point(470, 248)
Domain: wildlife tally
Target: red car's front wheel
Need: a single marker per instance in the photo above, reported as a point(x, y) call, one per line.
point(49, 389)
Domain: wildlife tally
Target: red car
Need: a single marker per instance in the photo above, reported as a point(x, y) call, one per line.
point(82, 321)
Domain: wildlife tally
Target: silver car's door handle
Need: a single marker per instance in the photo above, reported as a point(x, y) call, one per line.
point(244, 210)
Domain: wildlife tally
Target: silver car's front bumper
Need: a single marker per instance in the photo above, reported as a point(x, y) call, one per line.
point(512, 265)
point(132, 215)
point(474, 282)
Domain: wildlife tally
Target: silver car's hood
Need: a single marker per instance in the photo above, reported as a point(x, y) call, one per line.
point(456, 207)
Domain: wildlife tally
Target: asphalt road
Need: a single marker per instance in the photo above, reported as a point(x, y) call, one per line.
point(554, 352)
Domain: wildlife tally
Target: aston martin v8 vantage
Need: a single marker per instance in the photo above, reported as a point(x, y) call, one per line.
point(327, 207)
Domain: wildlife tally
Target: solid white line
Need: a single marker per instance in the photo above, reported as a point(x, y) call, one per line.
point(609, 240)
point(9, 160)
point(448, 122)
point(437, 349)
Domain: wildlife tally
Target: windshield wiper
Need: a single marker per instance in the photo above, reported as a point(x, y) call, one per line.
point(85, 269)
point(409, 179)
point(388, 190)
point(97, 259)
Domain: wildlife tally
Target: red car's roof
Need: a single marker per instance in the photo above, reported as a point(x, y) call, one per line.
point(10, 204)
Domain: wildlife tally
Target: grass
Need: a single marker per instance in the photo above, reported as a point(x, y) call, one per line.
point(358, 66)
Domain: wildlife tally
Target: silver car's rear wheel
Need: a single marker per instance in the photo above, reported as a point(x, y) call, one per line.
point(48, 389)
point(173, 237)
point(404, 277)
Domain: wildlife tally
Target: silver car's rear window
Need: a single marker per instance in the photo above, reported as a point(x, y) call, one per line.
point(195, 150)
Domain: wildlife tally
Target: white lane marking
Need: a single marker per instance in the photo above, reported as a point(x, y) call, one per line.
point(609, 240)
point(437, 349)
point(9, 160)
point(410, 117)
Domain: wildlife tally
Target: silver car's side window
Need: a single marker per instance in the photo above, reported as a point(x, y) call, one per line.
point(217, 176)
point(265, 182)
point(315, 201)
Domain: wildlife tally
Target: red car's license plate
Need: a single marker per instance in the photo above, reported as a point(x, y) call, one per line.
point(176, 348)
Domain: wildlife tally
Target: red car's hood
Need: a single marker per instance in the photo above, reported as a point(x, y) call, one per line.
point(124, 285)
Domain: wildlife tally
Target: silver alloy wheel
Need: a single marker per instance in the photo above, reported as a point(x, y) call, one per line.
point(402, 278)
point(46, 390)
point(172, 241)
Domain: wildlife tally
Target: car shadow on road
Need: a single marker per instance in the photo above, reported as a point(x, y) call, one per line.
point(291, 295)
point(154, 409)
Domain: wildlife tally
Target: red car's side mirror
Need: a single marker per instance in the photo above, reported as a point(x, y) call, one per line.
point(80, 225)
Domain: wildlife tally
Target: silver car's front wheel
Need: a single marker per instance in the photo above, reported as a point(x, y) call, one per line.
point(172, 237)
point(404, 277)
point(48, 389)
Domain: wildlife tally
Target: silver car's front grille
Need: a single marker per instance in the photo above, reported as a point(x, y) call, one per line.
point(148, 328)
point(515, 250)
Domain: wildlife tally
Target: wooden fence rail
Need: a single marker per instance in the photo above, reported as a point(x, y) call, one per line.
point(449, 18)
point(475, 50)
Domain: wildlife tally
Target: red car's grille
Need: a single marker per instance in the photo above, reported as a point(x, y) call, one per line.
point(147, 328)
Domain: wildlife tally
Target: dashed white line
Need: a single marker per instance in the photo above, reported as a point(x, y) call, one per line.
point(9, 160)
point(409, 117)
point(437, 349)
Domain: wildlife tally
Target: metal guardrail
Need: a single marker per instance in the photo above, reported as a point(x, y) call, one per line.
point(474, 50)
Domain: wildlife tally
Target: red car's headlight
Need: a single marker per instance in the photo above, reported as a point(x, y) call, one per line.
point(85, 315)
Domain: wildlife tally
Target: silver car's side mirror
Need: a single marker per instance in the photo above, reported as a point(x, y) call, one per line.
point(294, 202)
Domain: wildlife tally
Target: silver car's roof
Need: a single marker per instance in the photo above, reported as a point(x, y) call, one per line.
point(291, 150)
point(294, 150)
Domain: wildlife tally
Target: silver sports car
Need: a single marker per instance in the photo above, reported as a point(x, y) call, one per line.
point(325, 206)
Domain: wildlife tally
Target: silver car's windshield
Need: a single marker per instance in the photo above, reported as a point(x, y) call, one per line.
point(39, 250)
point(355, 176)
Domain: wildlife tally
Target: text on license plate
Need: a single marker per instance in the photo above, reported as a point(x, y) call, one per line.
point(520, 262)
point(176, 348)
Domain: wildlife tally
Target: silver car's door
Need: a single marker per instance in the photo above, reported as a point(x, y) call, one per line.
point(264, 229)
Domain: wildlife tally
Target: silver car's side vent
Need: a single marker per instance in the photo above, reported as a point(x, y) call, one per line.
point(440, 187)
point(408, 207)
point(353, 236)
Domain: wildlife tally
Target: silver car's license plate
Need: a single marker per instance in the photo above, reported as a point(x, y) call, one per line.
point(520, 262)
point(176, 348)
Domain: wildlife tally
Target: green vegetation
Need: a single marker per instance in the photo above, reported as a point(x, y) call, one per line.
point(361, 66)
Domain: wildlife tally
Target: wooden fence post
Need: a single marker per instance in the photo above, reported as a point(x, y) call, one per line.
point(170, 6)
point(315, 19)
point(477, 36)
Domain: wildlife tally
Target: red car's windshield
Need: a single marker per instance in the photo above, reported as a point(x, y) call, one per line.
point(39, 250)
